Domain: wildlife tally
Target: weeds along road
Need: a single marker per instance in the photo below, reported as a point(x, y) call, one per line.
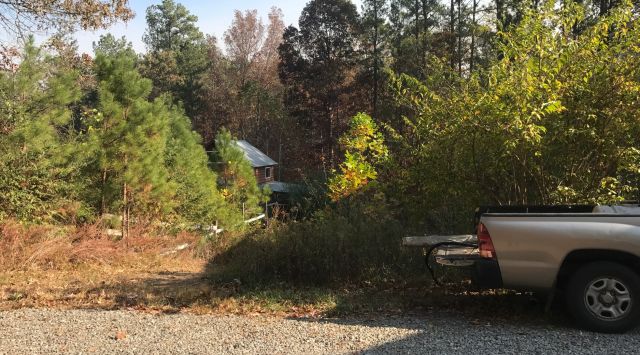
point(32, 331)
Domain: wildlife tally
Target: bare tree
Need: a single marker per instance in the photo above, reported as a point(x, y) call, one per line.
point(21, 17)
point(244, 39)
point(268, 56)
point(248, 76)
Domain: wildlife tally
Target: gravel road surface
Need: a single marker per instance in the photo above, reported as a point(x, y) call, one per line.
point(31, 331)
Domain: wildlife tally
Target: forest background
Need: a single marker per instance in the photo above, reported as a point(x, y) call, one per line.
point(400, 117)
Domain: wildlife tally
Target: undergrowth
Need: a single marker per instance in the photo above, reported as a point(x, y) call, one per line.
point(49, 247)
point(344, 245)
point(359, 268)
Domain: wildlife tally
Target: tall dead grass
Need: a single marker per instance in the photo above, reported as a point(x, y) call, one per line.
point(348, 244)
point(27, 247)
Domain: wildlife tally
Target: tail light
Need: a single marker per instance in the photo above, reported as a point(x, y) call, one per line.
point(485, 245)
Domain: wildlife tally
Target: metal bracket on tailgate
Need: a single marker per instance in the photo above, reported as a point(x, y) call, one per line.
point(454, 254)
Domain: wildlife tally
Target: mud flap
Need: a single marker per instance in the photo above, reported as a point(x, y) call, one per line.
point(487, 274)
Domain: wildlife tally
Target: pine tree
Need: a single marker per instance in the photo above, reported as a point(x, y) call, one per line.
point(35, 174)
point(236, 177)
point(109, 45)
point(130, 135)
point(177, 55)
point(197, 197)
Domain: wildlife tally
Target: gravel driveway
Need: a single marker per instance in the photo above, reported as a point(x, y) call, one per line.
point(31, 331)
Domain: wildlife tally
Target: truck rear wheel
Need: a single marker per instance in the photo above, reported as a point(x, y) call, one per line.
point(605, 297)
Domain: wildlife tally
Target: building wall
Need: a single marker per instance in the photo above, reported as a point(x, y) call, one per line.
point(261, 174)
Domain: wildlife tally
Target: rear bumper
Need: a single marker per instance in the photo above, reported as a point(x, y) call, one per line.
point(486, 274)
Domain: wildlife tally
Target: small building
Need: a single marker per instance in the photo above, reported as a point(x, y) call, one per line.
point(264, 169)
point(263, 166)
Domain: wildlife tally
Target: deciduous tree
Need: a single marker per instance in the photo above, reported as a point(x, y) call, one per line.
point(22, 17)
point(365, 149)
point(553, 121)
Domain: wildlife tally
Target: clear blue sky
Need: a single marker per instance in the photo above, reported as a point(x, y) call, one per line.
point(214, 17)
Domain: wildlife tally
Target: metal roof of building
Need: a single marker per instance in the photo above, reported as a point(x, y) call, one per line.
point(279, 186)
point(255, 156)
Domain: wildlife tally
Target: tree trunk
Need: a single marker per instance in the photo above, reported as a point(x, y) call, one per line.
point(125, 191)
point(103, 200)
point(473, 36)
point(499, 14)
point(125, 211)
point(425, 33)
point(452, 30)
point(459, 37)
point(375, 58)
point(416, 14)
point(604, 7)
point(331, 140)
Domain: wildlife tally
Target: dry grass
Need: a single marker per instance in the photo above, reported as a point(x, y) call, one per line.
point(48, 266)
point(53, 267)
point(56, 248)
point(84, 267)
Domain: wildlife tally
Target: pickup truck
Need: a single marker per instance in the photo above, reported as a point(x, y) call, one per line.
point(589, 254)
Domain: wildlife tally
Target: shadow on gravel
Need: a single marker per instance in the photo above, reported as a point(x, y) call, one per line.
point(495, 323)
point(441, 321)
point(167, 290)
point(175, 291)
point(451, 332)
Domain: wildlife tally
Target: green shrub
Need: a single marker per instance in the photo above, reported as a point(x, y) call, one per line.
point(554, 121)
point(349, 243)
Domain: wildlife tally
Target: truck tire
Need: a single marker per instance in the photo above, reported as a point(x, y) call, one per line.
point(604, 297)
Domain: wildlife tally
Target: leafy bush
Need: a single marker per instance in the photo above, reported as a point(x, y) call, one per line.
point(353, 242)
point(364, 149)
point(554, 121)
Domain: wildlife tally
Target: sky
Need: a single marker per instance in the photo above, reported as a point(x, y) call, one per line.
point(214, 17)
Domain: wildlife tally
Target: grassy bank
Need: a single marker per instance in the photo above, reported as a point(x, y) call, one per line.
point(81, 267)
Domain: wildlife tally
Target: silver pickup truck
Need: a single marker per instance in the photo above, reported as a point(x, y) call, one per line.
point(592, 258)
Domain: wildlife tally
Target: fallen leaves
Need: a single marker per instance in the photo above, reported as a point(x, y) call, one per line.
point(121, 335)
